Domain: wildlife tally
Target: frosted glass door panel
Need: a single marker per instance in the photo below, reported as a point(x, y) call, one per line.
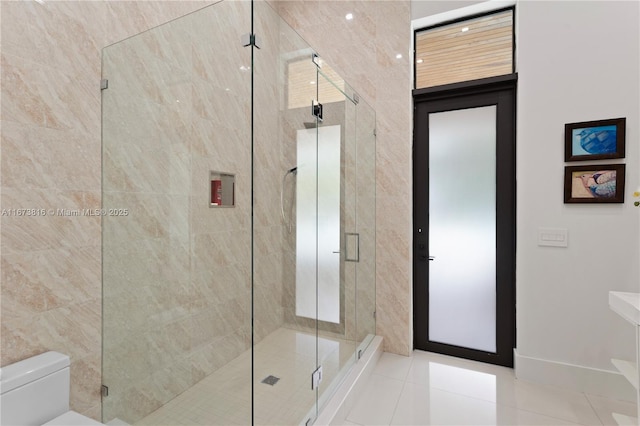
point(328, 224)
point(462, 228)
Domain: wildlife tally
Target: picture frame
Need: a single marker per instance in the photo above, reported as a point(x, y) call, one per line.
point(594, 140)
point(598, 183)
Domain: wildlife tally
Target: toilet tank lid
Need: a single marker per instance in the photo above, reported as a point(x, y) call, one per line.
point(30, 369)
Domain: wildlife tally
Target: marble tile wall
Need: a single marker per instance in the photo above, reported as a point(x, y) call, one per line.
point(364, 52)
point(50, 117)
point(188, 93)
point(51, 159)
point(51, 122)
point(357, 290)
point(268, 166)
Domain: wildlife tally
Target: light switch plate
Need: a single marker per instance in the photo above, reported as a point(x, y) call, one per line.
point(553, 237)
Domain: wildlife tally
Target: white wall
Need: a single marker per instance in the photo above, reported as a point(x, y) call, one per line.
point(577, 61)
point(422, 8)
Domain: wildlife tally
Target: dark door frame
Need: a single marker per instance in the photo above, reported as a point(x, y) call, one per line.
point(500, 91)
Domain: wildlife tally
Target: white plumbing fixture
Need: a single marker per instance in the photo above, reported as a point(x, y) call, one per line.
point(35, 392)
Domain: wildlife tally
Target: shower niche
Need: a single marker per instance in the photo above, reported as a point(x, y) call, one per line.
point(201, 301)
point(222, 189)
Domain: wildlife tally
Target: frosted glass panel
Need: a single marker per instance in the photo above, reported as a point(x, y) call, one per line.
point(462, 228)
point(328, 223)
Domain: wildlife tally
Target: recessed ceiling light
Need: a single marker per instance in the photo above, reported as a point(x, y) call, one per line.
point(399, 56)
point(349, 16)
point(419, 61)
point(465, 29)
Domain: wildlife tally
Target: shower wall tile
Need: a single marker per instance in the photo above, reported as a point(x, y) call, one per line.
point(54, 230)
point(87, 371)
point(70, 104)
point(42, 158)
point(127, 18)
point(385, 83)
point(51, 144)
point(48, 279)
point(72, 24)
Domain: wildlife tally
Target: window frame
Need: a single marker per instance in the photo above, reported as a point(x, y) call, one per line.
point(457, 21)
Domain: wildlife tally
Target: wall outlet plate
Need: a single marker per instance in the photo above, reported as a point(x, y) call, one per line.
point(553, 237)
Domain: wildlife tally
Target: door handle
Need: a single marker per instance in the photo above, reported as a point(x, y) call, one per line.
point(348, 256)
point(432, 258)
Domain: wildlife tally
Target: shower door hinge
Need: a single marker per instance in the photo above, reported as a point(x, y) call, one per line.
point(316, 110)
point(316, 378)
point(104, 84)
point(375, 133)
point(316, 60)
point(104, 391)
point(356, 98)
point(374, 314)
point(249, 39)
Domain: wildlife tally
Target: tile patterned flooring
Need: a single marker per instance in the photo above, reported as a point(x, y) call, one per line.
point(432, 389)
point(424, 389)
point(224, 397)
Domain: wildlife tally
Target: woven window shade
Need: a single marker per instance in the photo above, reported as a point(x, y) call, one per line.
point(448, 54)
point(300, 89)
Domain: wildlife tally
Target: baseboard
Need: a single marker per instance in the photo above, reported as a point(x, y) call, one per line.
point(342, 401)
point(609, 384)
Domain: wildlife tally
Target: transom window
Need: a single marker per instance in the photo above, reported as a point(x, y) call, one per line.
point(465, 50)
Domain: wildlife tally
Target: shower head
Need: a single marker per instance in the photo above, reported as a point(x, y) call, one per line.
point(293, 170)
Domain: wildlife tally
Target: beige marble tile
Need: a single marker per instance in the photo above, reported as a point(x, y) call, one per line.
point(54, 230)
point(54, 110)
point(29, 97)
point(73, 330)
point(49, 279)
point(37, 157)
point(86, 376)
point(384, 81)
point(65, 35)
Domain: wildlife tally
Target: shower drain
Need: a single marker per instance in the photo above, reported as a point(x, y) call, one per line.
point(271, 380)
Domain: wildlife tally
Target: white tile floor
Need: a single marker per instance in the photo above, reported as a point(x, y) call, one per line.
point(431, 389)
point(224, 397)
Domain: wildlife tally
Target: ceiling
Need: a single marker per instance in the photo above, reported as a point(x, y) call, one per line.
point(422, 8)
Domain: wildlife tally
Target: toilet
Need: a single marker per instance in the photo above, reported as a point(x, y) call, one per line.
point(35, 391)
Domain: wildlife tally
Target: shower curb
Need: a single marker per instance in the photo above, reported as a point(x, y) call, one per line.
point(343, 400)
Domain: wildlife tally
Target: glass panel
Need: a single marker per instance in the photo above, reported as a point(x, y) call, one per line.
point(300, 91)
point(467, 50)
point(177, 273)
point(462, 228)
point(284, 174)
point(181, 278)
point(336, 220)
point(365, 199)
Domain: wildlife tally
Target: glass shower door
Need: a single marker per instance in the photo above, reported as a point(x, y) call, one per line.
point(337, 239)
point(285, 203)
point(176, 268)
point(365, 214)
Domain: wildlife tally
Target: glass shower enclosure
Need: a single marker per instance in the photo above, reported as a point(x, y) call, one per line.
point(239, 243)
